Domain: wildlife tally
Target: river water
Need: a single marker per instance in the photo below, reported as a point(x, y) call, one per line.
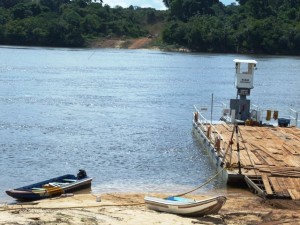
point(125, 116)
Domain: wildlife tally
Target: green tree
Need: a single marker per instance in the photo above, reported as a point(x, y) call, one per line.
point(54, 5)
point(185, 9)
point(91, 25)
point(72, 17)
point(23, 10)
point(10, 3)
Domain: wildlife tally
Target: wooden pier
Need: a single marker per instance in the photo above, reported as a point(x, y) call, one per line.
point(263, 151)
point(269, 156)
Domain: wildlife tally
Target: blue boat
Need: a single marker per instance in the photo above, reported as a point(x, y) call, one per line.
point(53, 187)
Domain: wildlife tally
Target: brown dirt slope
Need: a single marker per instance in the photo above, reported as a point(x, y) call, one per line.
point(154, 31)
point(140, 43)
point(136, 43)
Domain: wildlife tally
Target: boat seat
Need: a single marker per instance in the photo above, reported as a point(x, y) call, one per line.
point(38, 189)
point(57, 184)
point(179, 199)
point(69, 180)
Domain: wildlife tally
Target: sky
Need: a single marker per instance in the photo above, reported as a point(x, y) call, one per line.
point(157, 4)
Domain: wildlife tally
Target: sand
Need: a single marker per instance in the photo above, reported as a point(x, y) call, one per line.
point(242, 207)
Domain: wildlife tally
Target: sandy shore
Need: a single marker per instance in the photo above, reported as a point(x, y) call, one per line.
point(241, 207)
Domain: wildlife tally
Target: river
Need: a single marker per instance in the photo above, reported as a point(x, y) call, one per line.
point(125, 116)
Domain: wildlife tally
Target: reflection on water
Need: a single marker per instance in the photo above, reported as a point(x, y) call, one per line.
point(124, 116)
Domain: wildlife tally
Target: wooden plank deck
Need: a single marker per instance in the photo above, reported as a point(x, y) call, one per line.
point(267, 185)
point(272, 152)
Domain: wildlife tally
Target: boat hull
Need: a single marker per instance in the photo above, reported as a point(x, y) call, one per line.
point(191, 208)
point(50, 188)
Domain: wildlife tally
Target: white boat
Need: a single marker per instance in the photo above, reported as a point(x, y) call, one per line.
point(186, 206)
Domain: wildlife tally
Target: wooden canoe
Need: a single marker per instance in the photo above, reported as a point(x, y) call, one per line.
point(52, 187)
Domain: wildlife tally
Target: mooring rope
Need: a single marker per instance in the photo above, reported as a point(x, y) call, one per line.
point(213, 177)
point(202, 185)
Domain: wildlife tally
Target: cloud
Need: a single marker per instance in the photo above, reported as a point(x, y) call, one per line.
point(157, 4)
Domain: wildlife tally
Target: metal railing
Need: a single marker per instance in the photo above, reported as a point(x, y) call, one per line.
point(289, 114)
point(258, 114)
point(294, 115)
point(210, 131)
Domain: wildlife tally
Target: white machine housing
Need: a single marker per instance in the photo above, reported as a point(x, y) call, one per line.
point(244, 74)
point(240, 107)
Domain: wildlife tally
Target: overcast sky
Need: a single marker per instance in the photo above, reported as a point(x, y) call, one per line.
point(157, 4)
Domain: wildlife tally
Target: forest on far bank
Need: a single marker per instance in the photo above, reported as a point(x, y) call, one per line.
point(252, 26)
point(70, 23)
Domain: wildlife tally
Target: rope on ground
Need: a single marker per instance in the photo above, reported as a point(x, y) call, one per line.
point(71, 207)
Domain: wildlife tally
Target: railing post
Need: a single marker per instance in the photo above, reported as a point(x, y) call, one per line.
point(292, 116)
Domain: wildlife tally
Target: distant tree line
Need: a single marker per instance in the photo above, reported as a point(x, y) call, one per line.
point(69, 23)
point(252, 26)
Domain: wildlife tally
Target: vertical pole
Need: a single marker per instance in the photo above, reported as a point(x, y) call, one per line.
point(237, 106)
point(238, 148)
point(211, 109)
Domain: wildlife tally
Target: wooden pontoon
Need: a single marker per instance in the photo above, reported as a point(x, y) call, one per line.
point(269, 157)
point(265, 155)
